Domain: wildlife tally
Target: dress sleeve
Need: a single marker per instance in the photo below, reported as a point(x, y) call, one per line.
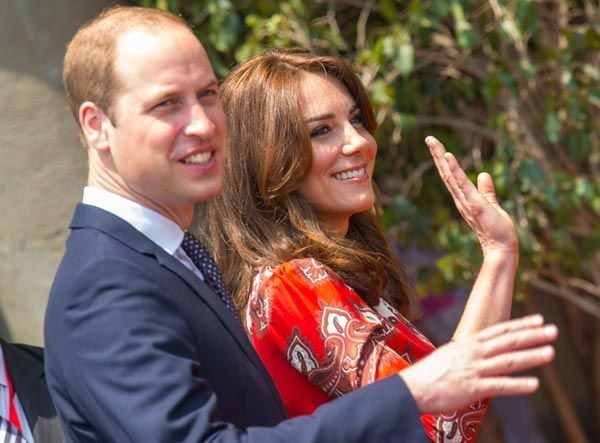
point(337, 342)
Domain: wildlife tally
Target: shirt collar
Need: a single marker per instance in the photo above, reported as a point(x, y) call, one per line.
point(158, 228)
point(3, 380)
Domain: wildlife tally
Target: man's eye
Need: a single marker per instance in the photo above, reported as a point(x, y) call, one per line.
point(165, 104)
point(208, 93)
point(321, 130)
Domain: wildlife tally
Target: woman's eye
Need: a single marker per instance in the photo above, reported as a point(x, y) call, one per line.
point(321, 130)
point(357, 120)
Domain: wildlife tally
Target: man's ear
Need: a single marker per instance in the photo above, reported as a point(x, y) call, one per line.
point(94, 125)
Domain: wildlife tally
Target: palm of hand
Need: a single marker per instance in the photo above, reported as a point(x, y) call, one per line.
point(479, 206)
point(493, 226)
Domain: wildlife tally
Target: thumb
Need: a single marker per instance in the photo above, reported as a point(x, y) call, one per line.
point(485, 185)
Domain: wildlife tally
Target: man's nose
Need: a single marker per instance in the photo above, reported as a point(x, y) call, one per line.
point(200, 123)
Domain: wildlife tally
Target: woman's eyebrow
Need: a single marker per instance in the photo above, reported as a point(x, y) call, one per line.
point(329, 115)
point(320, 117)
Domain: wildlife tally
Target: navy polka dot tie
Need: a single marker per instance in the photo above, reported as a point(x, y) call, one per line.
point(204, 261)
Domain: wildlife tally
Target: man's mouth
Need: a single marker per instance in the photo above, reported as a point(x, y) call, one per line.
point(198, 159)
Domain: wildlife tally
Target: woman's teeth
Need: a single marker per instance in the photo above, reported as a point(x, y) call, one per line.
point(350, 174)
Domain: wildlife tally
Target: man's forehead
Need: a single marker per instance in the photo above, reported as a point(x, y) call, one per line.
point(142, 40)
point(141, 45)
point(156, 60)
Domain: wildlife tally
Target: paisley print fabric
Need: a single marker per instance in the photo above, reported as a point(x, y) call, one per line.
point(320, 340)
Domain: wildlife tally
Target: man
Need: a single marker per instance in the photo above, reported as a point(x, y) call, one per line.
point(26, 410)
point(140, 343)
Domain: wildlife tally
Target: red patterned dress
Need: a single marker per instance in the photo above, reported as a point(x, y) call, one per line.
point(319, 340)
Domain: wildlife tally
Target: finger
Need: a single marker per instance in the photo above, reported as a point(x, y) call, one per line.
point(510, 325)
point(502, 386)
point(508, 363)
point(472, 197)
point(522, 339)
point(437, 150)
point(486, 187)
point(436, 147)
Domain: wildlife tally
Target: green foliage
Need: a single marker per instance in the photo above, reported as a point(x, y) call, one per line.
point(511, 87)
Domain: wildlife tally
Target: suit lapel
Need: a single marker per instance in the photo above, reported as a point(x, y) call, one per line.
point(212, 300)
point(87, 216)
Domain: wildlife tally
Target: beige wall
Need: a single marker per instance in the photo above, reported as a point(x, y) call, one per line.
point(42, 166)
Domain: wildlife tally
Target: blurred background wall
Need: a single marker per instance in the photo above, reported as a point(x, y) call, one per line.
point(43, 166)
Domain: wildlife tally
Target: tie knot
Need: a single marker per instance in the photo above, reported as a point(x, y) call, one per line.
point(203, 260)
point(198, 253)
point(191, 244)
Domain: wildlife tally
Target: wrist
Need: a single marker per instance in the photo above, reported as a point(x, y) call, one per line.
point(411, 381)
point(501, 257)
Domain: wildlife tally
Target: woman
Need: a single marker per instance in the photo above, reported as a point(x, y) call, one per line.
point(324, 300)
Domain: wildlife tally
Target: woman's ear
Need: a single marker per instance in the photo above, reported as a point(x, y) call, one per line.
point(94, 125)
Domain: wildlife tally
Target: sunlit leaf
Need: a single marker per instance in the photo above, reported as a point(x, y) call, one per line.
point(552, 127)
point(405, 58)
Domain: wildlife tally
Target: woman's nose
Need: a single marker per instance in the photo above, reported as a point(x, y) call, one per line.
point(355, 141)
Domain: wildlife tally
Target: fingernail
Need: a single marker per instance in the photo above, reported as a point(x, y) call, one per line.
point(537, 319)
point(550, 330)
point(533, 383)
point(547, 351)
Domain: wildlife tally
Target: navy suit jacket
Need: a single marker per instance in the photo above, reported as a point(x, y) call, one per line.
point(25, 365)
point(138, 349)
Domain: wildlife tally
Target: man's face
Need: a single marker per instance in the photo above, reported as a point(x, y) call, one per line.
point(169, 127)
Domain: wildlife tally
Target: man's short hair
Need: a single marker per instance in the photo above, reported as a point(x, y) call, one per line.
point(89, 71)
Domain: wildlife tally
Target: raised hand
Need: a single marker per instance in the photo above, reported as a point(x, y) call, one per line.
point(477, 205)
point(479, 365)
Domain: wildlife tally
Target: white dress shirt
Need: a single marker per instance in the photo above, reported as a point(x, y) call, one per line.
point(158, 228)
point(5, 402)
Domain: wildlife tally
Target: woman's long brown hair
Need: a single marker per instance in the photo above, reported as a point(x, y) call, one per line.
point(260, 218)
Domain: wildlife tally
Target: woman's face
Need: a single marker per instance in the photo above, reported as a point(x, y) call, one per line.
point(339, 182)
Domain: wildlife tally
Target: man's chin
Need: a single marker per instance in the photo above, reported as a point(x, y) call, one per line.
point(208, 193)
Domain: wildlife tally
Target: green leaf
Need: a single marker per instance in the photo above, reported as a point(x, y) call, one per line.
point(388, 10)
point(594, 98)
point(491, 88)
point(382, 93)
point(510, 30)
point(446, 266)
point(552, 127)
point(527, 69)
point(407, 121)
point(465, 35)
point(405, 58)
point(162, 4)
